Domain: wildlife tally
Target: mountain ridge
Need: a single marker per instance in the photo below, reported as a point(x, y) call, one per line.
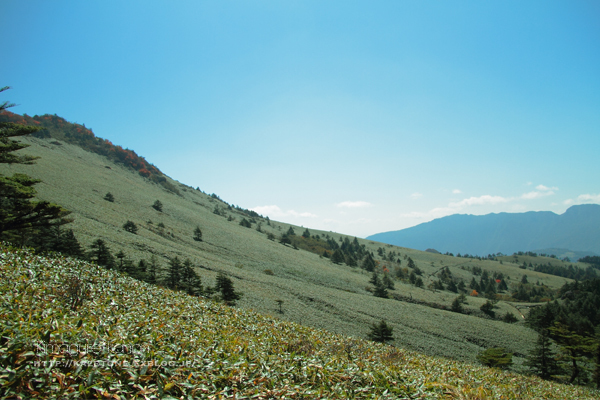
point(575, 230)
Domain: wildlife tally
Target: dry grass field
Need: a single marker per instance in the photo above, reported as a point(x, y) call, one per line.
point(315, 292)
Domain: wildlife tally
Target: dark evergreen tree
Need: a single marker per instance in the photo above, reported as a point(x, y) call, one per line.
point(419, 282)
point(224, 285)
point(574, 348)
point(457, 303)
point(174, 273)
point(190, 281)
point(387, 281)
point(306, 234)
point(109, 197)
point(381, 332)
point(197, 234)
point(101, 255)
point(542, 359)
point(452, 287)
point(368, 263)
point(69, 245)
point(245, 223)
point(285, 239)
point(338, 256)
point(130, 227)
point(350, 260)
point(412, 278)
point(496, 357)
point(291, 232)
point(488, 308)
point(20, 214)
point(158, 206)
point(152, 270)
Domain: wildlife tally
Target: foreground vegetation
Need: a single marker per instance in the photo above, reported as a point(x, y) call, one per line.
point(71, 329)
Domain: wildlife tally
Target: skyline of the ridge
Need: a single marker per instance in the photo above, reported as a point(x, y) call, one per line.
point(353, 117)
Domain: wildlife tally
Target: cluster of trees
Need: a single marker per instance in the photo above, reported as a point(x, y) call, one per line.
point(568, 345)
point(570, 272)
point(179, 275)
point(594, 261)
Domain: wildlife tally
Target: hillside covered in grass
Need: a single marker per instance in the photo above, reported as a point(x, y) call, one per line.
point(71, 329)
point(320, 279)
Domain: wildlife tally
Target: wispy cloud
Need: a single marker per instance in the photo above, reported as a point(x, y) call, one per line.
point(416, 195)
point(354, 204)
point(274, 211)
point(541, 191)
point(457, 191)
point(584, 198)
point(485, 199)
point(546, 188)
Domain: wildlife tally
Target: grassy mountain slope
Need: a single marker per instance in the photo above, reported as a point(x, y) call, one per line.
point(70, 329)
point(314, 291)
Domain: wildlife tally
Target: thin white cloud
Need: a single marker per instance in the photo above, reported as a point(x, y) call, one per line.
point(546, 188)
point(354, 204)
point(536, 194)
point(485, 199)
point(457, 191)
point(416, 195)
point(589, 198)
point(274, 211)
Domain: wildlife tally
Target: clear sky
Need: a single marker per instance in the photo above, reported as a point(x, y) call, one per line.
point(352, 116)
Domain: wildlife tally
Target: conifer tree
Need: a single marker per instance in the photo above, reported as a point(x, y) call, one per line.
point(190, 280)
point(224, 285)
point(368, 263)
point(197, 234)
point(338, 256)
point(151, 276)
point(387, 281)
point(496, 357)
point(381, 332)
point(174, 273)
point(542, 359)
point(20, 214)
point(100, 254)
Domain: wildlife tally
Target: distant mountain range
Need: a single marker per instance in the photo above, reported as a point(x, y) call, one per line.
point(576, 231)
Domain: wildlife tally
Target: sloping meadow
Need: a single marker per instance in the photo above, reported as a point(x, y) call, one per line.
point(70, 329)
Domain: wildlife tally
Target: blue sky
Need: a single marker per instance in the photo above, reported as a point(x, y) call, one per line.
point(352, 116)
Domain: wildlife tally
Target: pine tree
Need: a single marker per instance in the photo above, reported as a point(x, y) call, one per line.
point(152, 274)
point(387, 281)
point(174, 273)
point(368, 263)
point(100, 253)
point(190, 280)
point(20, 214)
point(225, 286)
point(158, 206)
point(338, 256)
point(496, 357)
point(542, 359)
point(381, 332)
point(130, 227)
point(197, 234)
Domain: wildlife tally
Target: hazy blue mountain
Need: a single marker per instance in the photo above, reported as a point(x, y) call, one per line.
point(578, 229)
